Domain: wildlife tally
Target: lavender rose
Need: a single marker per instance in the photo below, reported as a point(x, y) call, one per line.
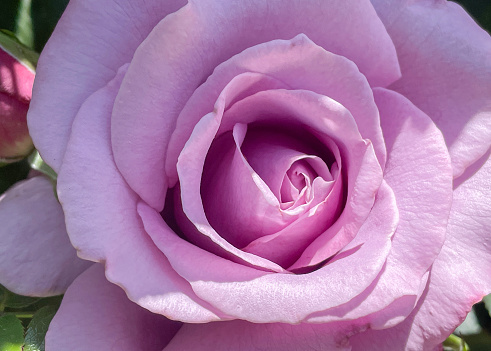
point(268, 175)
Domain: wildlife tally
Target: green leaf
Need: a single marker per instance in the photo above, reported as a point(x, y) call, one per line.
point(9, 299)
point(14, 47)
point(12, 173)
point(36, 331)
point(454, 343)
point(11, 333)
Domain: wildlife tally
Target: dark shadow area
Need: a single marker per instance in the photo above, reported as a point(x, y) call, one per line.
point(8, 11)
point(12, 173)
point(45, 14)
point(480, 10)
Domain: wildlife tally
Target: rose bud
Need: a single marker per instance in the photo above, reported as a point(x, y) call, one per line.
point(16, 79)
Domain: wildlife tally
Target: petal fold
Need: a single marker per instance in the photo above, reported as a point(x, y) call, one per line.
point(102, 221)
point(446, 71)
point(96, 315)
point(459, 277)
point(285, 61)
point(243, 336)
point(185, 47)
point(90, 42)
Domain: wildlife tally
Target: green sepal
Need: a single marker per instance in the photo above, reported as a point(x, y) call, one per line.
point(454, 343)
point(10, 44)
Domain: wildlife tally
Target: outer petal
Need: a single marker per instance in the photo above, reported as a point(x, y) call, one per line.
point(185, 48)
point(262, 297)
point(32, 229)
point(243, 336)
point(446, 71)
point(460, 277)
point(91, 41)
point(96, 315)
point(103, 223)
point(419, 172)
point(297, 63)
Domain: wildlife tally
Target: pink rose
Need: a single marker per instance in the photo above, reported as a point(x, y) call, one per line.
point(268, 175)
point(16, 79)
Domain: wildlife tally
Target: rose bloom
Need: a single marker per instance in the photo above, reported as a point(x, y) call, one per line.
point(265, 175)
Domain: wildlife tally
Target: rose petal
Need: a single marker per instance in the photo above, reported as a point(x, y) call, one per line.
point(332, 122)
point(446, 71)
point(262, 297)
point(32, 229)
point(191, 163)
point(459, 278)
point(102, 221)
point(423, 209)
point(240, 335)
point(91, 41)
point(16, 79)
point(252, 209)
point(286, 61)
point(292, 108)
point(314, 216)
point(289, 152)
point(96, 315)
point(184, 49)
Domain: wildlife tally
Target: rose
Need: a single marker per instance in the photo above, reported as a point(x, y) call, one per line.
point(385, 239)
point(16, 79)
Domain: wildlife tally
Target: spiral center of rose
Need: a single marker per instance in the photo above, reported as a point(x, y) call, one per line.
point(262, 185)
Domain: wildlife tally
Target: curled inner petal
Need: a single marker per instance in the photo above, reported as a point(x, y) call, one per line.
point(244, 215)
point(244, 175)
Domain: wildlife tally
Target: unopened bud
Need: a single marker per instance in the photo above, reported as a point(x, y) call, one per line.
point(16, 79)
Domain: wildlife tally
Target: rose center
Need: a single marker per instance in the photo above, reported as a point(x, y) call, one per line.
point(259, 179)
